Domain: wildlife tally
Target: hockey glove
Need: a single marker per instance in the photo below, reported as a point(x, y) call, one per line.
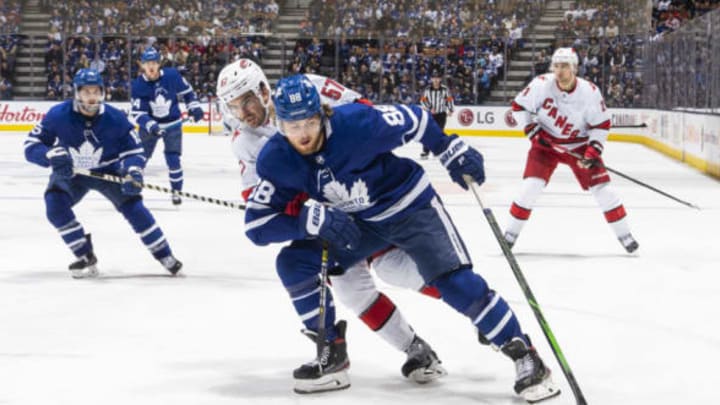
point(197, 114)
point(460, 159)
point(61, 162)
point(156, 130)
point(329, 224)
point(591, 157)
point(537, 135)
point(132, 181)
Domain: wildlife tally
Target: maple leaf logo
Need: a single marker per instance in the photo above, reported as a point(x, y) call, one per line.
point(357, 199)
point(161, 106)
point(86, 156)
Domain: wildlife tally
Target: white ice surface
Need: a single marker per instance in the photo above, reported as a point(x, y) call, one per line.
point(635, 329)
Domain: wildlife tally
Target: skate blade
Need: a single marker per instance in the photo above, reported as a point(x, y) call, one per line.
point(329, 382)
point(546, 389)
point(88, 272)
point(426, 374)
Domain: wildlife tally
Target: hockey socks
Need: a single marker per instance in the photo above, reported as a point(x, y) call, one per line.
point(469, 294)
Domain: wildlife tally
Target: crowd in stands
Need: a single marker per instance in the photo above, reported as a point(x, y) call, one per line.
point(668, 15)
point(387, 49)
point(467, 42)
point(10, 17)
point(197, 38)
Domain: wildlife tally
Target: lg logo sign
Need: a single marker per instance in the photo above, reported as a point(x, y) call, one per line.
point(466, 117)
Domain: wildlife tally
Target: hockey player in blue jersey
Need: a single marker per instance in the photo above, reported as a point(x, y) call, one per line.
point(364, 197)
point(85, 133)
point(156, 110)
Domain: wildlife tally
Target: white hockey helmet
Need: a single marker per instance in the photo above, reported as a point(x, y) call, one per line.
point(240, 77)
point(565, 55)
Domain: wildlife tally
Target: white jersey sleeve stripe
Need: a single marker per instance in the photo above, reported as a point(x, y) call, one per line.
point(260, 221)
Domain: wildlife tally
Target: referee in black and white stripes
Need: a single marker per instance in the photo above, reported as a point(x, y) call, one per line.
point(437, 99)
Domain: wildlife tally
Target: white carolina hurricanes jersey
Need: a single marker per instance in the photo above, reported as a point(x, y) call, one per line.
point(572, 117)
point(247, 142)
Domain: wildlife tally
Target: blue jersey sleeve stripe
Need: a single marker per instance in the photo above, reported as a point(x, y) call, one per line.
point(131, 152)
point(412, 116)
point(424, 117)
point(404, 201)
point(259, 221)
point(258, 206)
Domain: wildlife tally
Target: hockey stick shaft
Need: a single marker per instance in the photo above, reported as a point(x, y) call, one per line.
point(561, 149)
point(643, 125)
point(321, 332)
point(119, 180)
point(530, 297)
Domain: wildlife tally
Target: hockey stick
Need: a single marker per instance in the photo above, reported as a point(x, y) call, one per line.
point(529, 296)
point(119, 180)
point(321, 308)
point(561, 149)
point(175, 124)
point(643, 125)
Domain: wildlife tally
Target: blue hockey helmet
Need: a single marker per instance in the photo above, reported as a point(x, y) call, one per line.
point(296, 99)
point(88, 77)
point(150, 55)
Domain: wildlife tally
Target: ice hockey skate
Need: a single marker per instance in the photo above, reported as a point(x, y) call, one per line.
point(84, 267)
point(422, 365)
point(176, 200)
point(629, 243)
point(533, 381)
point(172, 264)
point(328, 371)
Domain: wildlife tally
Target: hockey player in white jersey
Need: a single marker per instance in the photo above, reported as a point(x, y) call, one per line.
point(561, 112)
point(245, 101)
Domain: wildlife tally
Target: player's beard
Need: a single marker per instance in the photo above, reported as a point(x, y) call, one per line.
point(254, 119)
point(307, 145)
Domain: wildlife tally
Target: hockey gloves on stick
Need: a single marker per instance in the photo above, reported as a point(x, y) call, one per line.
point(591, 156)
point(329, 224)
point(460, 159)
point(196, 113)
point(537, 135)
point(132, 181)
point(61, 162)
point(156, 130)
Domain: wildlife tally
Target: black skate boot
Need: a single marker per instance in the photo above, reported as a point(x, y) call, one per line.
point(85, 266)
point(422, 365)
point(172, 264)
point(629, 243)
point(533, 381)
point(176, 200)
point(329, 371)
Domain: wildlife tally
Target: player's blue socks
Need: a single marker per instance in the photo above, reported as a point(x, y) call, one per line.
point(469, 294)
point(58, 206)
point(175, 170)
point(305, 297)
point(298, 266)
point(145, 226)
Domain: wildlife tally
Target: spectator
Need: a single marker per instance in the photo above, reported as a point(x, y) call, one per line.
point(6, 92)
